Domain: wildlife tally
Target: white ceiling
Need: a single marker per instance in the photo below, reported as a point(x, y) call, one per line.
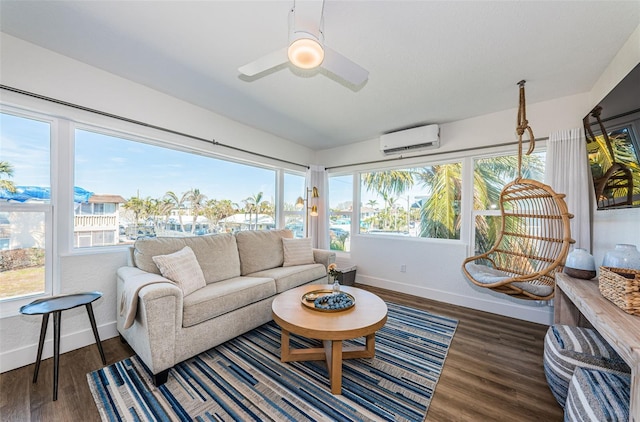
point(429, 61)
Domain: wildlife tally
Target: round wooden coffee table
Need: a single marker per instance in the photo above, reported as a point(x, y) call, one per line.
point(362, 320)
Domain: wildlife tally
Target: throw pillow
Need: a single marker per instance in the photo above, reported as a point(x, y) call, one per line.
point(183, 269)
point(297, 251)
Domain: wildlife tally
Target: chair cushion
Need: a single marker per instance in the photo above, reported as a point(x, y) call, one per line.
point(598, 396)
point(225, 296)
point(567, 347)
point(487, 275)
point(289, 277)
point(182, 268)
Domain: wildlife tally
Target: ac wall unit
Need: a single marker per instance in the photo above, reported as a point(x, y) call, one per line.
point(409, 140)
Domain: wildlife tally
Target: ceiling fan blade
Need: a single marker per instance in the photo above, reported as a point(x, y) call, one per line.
point(264, 63)
point(344, 68)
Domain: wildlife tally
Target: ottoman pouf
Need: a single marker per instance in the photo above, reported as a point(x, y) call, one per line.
point(598, 396)
point(567, 347)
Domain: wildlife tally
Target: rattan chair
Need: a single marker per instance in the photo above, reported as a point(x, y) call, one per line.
point(534, 239)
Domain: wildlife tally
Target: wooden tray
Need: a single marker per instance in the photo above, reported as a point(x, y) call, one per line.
point(309, 297)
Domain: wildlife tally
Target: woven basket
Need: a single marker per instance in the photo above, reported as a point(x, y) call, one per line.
point(622, 287)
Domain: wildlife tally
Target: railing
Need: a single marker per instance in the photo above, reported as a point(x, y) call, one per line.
point(95, 222)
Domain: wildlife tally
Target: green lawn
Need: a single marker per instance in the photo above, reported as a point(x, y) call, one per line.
point(21, 282)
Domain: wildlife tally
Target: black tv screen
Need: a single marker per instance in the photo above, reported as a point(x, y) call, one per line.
point(613, 145)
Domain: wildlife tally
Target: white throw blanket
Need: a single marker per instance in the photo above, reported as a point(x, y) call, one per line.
point(129, 298)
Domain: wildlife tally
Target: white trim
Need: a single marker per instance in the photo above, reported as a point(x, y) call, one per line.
point(26, 355)
point(540, 315)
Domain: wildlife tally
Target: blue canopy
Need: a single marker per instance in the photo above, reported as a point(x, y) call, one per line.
point(26, 193)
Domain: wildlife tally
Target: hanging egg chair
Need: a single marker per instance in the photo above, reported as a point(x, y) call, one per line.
point(534, 238)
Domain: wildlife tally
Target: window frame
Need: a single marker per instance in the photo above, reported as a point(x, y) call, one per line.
point(424, 162)
point(169, 142)
point(11, 306)
point(540, 148)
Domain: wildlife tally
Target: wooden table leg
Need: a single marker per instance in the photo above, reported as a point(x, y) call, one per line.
point(284, 346)
point(333, 351)
point(43, 333)
point(56, 352)
point(92, 319)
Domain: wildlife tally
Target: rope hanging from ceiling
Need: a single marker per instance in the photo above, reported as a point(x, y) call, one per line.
point(534, 237)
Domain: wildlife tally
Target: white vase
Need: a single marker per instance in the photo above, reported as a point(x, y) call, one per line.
point(580, 264)
point(623, 256)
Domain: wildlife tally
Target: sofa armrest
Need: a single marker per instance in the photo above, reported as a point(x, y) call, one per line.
point(324, 257)
point(158, 318)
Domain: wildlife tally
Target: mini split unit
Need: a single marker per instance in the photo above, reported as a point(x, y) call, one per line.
point(409, 140)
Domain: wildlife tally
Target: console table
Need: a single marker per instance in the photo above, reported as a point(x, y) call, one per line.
point(579, 302)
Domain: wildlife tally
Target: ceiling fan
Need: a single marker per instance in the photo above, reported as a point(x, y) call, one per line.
point(307, 50)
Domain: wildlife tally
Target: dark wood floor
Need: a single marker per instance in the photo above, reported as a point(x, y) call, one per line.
point(493, 373)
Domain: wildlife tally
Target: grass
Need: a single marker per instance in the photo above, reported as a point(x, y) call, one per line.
point(21, 282)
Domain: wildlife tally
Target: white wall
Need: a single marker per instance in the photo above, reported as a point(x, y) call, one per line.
point(432, 268)
point(31, 68)
point(616, 226)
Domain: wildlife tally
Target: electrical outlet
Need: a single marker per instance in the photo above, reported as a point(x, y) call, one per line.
point(403, 268)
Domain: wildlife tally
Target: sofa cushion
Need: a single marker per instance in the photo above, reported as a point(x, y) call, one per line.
point(217, 255)
point(297, 252)
point(182, 268)
point(145, 249)
point(261, 249)
point(225, 296)
point(289, 277)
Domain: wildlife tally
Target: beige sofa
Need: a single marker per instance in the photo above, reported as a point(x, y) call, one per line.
point(243, 273)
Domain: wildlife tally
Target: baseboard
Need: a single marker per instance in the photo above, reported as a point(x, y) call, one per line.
point(26, 355)
point(541, 314)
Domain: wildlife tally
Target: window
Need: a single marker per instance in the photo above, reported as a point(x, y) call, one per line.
point(25, 207)
point(413, 202)
point(340, 212)
point(134, 189)
point(491, 174)
point(293, 216)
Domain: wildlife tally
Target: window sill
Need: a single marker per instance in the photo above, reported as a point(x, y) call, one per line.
point(10, 307)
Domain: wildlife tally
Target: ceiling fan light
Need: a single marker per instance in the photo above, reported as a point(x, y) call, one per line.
point(305, 53)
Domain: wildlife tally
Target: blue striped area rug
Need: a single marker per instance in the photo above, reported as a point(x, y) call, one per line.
point(244, 380)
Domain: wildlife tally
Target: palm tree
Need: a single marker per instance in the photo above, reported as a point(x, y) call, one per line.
point(135, 205)
point(196, 202)
point(165, 206)
point(6, 169)
point(440, 213)
point(178, 203)
point(215, 210)
point(388, 183)
point(252, 204)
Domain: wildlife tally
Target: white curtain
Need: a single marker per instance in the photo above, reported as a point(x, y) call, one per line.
point(318, 226)
point(567, 171)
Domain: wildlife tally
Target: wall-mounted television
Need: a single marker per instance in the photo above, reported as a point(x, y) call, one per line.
point(612, 130)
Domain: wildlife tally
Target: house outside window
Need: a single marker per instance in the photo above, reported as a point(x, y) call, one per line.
point(96, 222)
point(25, 207)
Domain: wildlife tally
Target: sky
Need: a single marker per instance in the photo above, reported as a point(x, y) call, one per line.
point(109, 165)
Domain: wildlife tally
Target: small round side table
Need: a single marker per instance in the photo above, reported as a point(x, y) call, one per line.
point(55, 305)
